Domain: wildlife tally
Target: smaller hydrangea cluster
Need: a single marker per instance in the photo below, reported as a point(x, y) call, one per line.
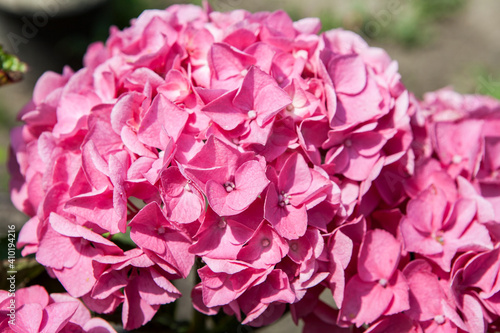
point(37, 311)
point(283, 162)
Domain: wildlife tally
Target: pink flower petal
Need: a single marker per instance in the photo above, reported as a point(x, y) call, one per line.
point(295, 176)
point(366, 302)
point(289, 221)
point(348, 74)
point(28, 319)
point(378, 256)
point(58, 315)
point(250, 181)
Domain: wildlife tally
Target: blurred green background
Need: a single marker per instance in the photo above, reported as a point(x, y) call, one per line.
point(436, 43)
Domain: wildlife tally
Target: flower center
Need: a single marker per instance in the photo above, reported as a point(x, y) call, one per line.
point(383, 282)
point(229, 186)
point(433, 189)
point(222, 223)
point(252, 114)
point(161, 230)
point(244, 72)
point(439, 238)
point(290, 107)
point(265, 242)
point(300, 54)
point(456, 159)
point(283, 199)
point(439, 319)
point(294, 247)
point(348, 143)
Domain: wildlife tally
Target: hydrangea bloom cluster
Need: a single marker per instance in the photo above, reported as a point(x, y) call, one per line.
point(286, 163)
point(37, 311)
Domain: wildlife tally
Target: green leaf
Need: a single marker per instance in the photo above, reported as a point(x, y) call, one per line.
point(11, 68)
point(27, 269)
point(123, 240)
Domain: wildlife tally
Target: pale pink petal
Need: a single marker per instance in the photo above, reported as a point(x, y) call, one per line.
point(378, 256)
point(58, 315)
point(162, 115)
point(289, 221)
point(366, 301)
point(32, 294)
point(250, 180)
point(28, 319)
point(348, 74)
point(295, 176)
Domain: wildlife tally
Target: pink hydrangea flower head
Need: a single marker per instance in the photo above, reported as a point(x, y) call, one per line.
point(285, 163)
point(36, 311)
point(443, 229)
point(231, 180)
point(378, 288)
